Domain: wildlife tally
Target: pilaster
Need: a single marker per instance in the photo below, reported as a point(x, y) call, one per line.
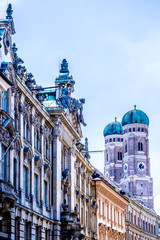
point(57, 156)
point(71, 161)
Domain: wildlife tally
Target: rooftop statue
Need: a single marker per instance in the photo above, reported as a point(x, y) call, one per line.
point(9, 11)
point(65, 99)
point(64, 67)
point(78, 105)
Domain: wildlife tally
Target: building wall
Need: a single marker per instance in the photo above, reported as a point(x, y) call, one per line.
point(141, 223)
point(40, 172)
point(111, 212)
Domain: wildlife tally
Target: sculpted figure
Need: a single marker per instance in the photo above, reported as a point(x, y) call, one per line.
point(78, 105)
point(65, 99)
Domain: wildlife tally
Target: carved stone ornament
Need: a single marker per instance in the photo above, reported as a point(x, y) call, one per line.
point(32, 119)
point(47, 169)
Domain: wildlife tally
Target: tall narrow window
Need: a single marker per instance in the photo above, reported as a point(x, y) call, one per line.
point(26, 231)
point(14, 172)
point(37, 235)
point(27, 133)
point(36, 186)
point(45, 193)
point(140, 146)
point(120, 155)
point(4, 101)
point(25, 181)
point(125, 147)
point(107, 157)
point(3, 163)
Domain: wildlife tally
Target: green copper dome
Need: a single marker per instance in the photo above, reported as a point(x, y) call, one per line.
point(113, 128)
point(135, 116)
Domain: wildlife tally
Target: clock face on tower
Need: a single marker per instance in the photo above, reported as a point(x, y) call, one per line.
point(125, 167)
point(141, 166)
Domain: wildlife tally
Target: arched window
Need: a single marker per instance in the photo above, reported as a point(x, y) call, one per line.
point(119, 155)
point(140, 146)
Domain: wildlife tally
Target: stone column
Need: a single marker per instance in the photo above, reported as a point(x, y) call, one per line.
point(22, 197)
point(57, 175)
point(32, 160)
point(13, 223)
point(21, 229)
point(42, 233)
point(33, 231)
point(42, 168)
point(71, 161)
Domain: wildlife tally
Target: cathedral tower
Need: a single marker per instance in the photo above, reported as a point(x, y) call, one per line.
point(136, 163)
point(113, 134)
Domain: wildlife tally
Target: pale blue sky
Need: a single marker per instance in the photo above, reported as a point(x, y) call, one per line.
point(113, 51)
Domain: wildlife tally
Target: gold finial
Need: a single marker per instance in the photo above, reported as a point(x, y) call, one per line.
point(135, 106)
point(115, 119)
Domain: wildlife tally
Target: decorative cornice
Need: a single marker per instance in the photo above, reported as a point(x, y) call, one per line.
point(35, 102)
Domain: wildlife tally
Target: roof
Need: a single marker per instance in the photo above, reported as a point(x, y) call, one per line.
point(135, 116)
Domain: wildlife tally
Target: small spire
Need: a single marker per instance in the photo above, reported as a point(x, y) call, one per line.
point(115, 119)
point(9, 11)
point(135, 107)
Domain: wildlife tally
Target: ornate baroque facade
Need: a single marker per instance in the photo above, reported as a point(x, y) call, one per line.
point(45, 176)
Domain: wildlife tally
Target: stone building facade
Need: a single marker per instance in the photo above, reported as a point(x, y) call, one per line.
point(127, 159)
point(141, 222)
point(111, 211)
point(45, 176)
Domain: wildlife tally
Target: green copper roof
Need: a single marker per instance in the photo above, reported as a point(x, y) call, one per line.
point(135, 116)
point(113, 128)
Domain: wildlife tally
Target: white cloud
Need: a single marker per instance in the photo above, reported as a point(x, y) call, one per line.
point(157, 204)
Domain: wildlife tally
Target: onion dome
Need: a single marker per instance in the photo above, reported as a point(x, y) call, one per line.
point(135, 116)
point(113, 128)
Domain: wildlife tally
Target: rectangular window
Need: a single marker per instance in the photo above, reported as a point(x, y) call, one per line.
point(3, 163)
point(25, 181)
point(17, 227)
point(37, 235)
point(14, 172)
point(26, 232)
point(36, 186)
point(4, 101)
point(45, 193)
